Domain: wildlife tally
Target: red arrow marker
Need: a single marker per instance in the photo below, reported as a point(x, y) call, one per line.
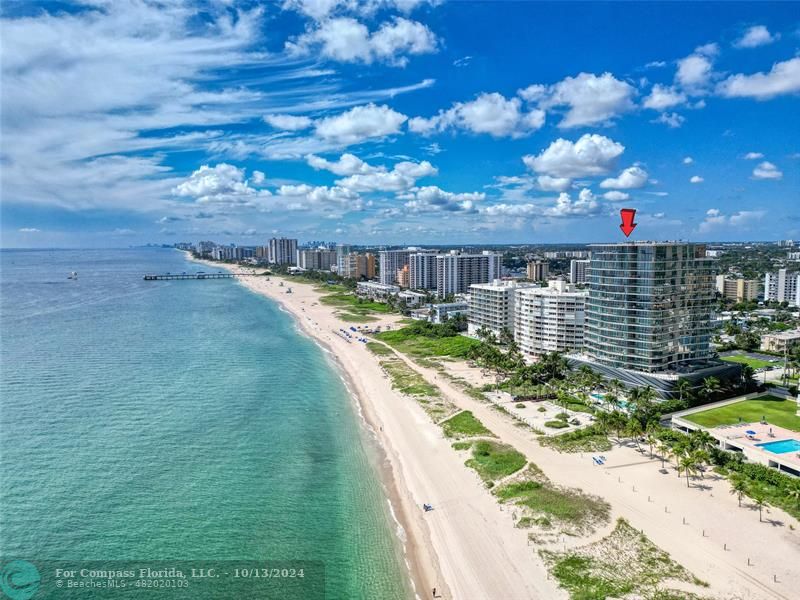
point(628, 225)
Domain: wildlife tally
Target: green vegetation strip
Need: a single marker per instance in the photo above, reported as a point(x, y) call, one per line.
point(422, 339)
point(625, 563)
point(408, 381)
point(379, 349)
point(782, 413)
point(493, 460)
point(546, 504)
point(353, 304)
point(464, 424)
point(588, 439)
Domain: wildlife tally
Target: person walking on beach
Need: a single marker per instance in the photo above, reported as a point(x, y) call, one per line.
point(434, 592)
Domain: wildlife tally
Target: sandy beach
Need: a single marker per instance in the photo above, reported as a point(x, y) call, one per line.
point(468, 546)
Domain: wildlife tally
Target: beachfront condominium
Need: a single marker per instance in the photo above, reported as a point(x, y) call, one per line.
point(282, 251)
point(358, 266)
point(455, 271)
point(316, 259)
point(782, 286)
point(549, 319)
point(578, 269)
point(491, 306)
point(538, 270)
point(739, 290)
point(422, 271)
point(648, 314)
point(390, 262)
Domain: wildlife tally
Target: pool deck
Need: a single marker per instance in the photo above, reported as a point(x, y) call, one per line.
point(735, 438)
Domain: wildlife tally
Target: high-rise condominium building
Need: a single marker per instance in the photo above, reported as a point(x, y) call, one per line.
point(739, 289)
point(358, 266)
point(391, 261)
point(491, 305)
point(578, 270)
point(649, 306)
point(538, 270)
point(549, 319)
point(343, 251)
point(319, 259)
point(422, 271)
point(282, 251)
point(402, 277)
point(455, 272)
point(782, 286)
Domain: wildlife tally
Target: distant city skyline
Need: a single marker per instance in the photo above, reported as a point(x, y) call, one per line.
point(398, 122)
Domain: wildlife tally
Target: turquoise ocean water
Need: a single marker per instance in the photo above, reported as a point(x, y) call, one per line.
point(179, 421)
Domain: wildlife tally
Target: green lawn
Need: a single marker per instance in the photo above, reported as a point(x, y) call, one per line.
point(755, 363)
point(464, 424)
point(782, 413)
point(353, 304)
point(493, 460)
point(356, 318)
point(422, 346)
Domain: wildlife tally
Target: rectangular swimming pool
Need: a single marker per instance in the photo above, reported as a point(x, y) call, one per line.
point(781, 446)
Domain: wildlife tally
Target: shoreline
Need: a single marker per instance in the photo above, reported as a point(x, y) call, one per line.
point(420, 559)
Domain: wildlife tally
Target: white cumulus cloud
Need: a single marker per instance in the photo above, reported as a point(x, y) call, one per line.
point(753, 156)
point(767, 170)
point(489, 113)
point(696, 179)
point(757, 35)
point(345, 39)
point(630, 178)
point(590, 155)
point(662, 96)
point(589, 99)
point(221, 183)
point(783, 78)
point(547, 183)
point(434, 199)
point(359, 124)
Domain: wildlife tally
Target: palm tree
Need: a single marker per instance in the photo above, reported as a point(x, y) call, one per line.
point(700, 439)
point(761, 502)
point(663, 452)
point(711, 385)
point(794, 493)
point(738, 487)
point(634, 430)
point(688, 465)
point(684, 388)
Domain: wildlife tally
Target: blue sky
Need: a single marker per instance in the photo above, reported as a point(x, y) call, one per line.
point(398, 121)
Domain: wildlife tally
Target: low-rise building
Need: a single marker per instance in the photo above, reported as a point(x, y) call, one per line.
point(780, 341)
point(412, 299)
point(549, 319)
point(439, 313)
point(402, 277)
point(374, 290)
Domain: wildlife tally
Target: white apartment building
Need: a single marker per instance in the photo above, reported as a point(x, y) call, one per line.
point(491, 306)
point(549, 319)
point(578, 270)
point(392, 261)
point(282, 251)
point(782, 286)
point(455, 272)
point(316, 259)
point(422, 271)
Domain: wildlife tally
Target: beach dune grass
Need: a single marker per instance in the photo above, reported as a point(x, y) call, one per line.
point(407, 381)
point(587, 439)
point(417, 345)
point(465, 424)
point(566, 505)
point(777, 411)
point(493, 460)
point(379, 349)
point(624, 563)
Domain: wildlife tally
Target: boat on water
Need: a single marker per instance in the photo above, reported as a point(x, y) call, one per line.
point(72, 275)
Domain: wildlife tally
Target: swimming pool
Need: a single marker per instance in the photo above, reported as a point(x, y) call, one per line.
point(781, 446)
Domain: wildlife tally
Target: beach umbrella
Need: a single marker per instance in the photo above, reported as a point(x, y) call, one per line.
point(750, 432)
